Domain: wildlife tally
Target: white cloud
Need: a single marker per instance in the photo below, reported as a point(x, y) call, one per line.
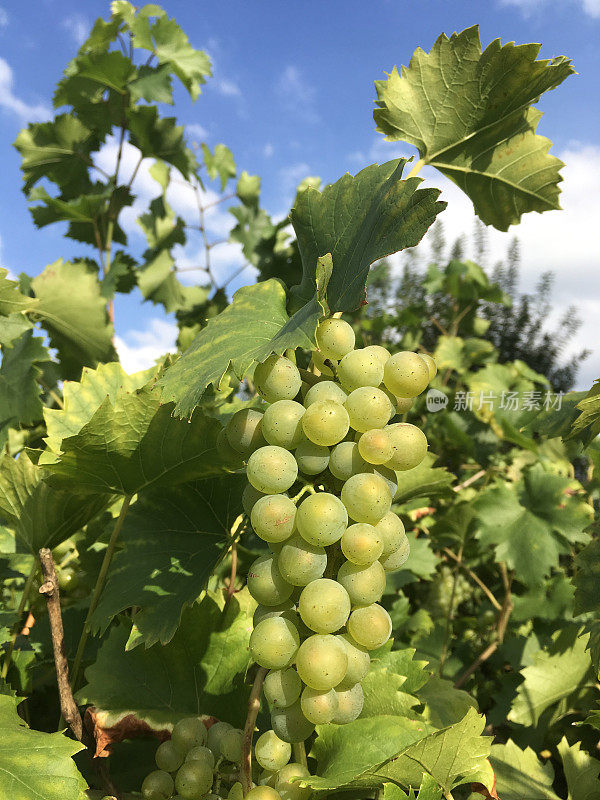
point(140, 349)
point(530, 7)
point(78, 27)
point(227, 87)
point(564, 242)
point(268, 150)
point(196, 131)
point(3, 17)
point(14, 104)
point(296, 94)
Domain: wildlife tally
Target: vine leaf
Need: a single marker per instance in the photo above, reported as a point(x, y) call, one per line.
point(391, 684)
point(538, 519)
point(171, 541)
point(587, 425)
point(423, 481)
point(252, 327)
point(40, 515)
point(35, 764)
point(520, 775)
point(200, 671)
point(581, 771)
point(20, 392)
point(359, 219)
point(586, 580)
point(133, 443)
point(443, 703)
point(71, 308)
point(554, 675)
point(468, 112)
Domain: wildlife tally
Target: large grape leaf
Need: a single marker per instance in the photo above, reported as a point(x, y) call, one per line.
point(359, 219)
point(40, 515)
point(134, 443)
point(581, 771)
point(349, 755)
point(35, 765)
point(444, 704)
point(554, 675)
point(252, 327)
point(468, 113)
point(391, 684)
point(12, 301)
point(200, 671)
point(423, 481)
point(587, 425)
point(587, 580)
point(520, 775)
point(453, 756)
point(531, 524)
point(20, 391)
point(171, 541)
point(71, 308)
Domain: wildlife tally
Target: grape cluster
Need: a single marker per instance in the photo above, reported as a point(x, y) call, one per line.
point(197, 763)
point(440, 592)
point(321, 464)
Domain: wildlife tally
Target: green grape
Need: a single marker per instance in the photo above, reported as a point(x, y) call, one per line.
point(368, 407)
point(68, 579)
point(226, 451)
point(360, 368)
point(379, 351)
point(263, 793)
point(236, 792)
point(63, 549)
point(250, 496)
point(326, 391)
point(271, 469)
point(274, 642)
point(365, 585)
point(168, 757)
point(193, 780)
point(321, 661)
point(398, 557)
point(324, 606)
point(431, 365)
point(201, 753)
point(288, 787)
point(271, 752)
point(359, 662)
point(277, 378)
point(318, 706)
point(231, 745)
point(325, 422)
point(244, 431)
point(334, 338)
point(406, 374)
point(324, 368)
point(362, 544)
point(282, 424)
point(265, 582)
point(312, 458)
point(367, 497)
point(282, 687)
point(345, 461)
point(388, 475)
point(188, 732)
point(158, 785)
point(286, 608)
point(301, 562)
point(215, 735)
point(272, 517)
point(349, 704)
point(321, 519)
point(370, 626)
point(391, 530)
point(404, 404)
point(375, 446)
point(290, 724)
point(409, 445)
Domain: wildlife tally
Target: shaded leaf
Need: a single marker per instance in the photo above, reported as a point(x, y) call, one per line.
point(200, 671)
point(391, 684)
point(160, 137)
point(520, 775)
point(581, 771)
point(587, 425)
point(423, 481)
point(171, 542)
point(444, 704)
point(20, 392)
point(359, 219)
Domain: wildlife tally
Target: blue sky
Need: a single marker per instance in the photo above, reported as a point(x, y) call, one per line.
point(292, 95)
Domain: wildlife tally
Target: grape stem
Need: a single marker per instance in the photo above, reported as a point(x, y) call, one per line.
point(310, 377)
point(300, 753)
point(20, 610)
point(233, 572)
point(253, 709)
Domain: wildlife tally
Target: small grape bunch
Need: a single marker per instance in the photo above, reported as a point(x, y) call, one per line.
point(321, 464)
point(189, 763)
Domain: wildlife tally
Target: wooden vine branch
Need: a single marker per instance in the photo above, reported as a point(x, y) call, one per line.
point(49, 589)
point(253, 709)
